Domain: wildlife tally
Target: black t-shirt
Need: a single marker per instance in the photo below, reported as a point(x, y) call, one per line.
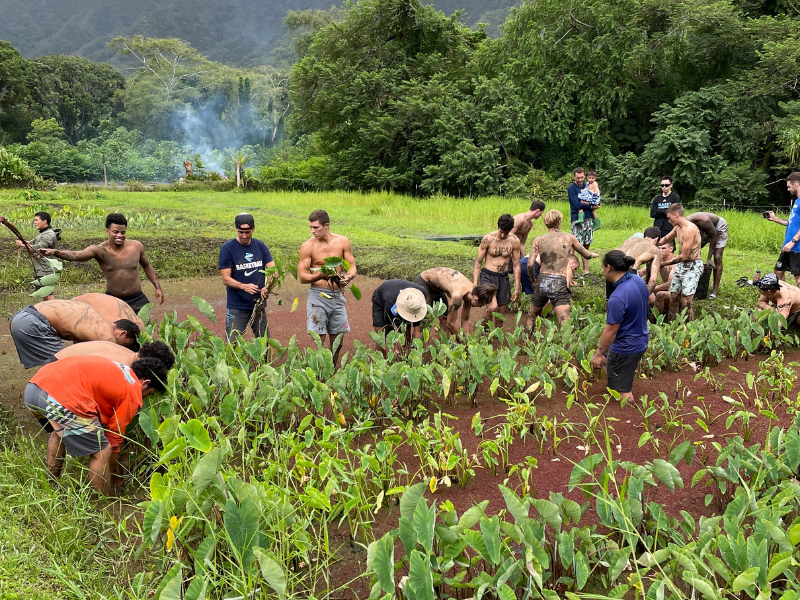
point(385, 297)
point(658, 212)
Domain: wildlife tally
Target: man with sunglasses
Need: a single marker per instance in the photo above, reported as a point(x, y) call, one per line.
point(241, 264)
point(661, 202)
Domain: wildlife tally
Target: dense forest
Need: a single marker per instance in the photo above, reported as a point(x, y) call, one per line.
point(395, 94)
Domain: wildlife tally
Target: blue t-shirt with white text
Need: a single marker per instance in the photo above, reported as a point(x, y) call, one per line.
point(628, 307)
point(246, 264)
point(793, 227)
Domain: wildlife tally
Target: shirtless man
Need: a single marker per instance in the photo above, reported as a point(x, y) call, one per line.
point(523, 223)
point(120, 354)
point(714, 232)
point(112, 309)
point(552, 285)
point(498, 248)
point(119, 259)
point(327, 316)
point(660, 297)
point(646, 253)
point(779, 296)
point(689, 267)
point(456, 292)
point(38, 330)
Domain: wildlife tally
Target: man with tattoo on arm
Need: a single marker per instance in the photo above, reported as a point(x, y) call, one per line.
point(457, 293)
point(779, 296)
point(38, 330)
point(689, 266)
point(119, 259)
point(497, 249)
point(110, 308)
point(552, 283)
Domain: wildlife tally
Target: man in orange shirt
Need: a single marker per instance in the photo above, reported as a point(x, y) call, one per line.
point(86, 402)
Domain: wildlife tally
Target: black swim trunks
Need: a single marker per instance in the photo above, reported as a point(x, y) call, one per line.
point(433, 293)
point(501, 281)
point(621, 369)
point(550, 288)
point(789, 261)
point(136, 301)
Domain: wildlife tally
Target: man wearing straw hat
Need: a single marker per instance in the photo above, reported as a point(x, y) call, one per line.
point(396, 303)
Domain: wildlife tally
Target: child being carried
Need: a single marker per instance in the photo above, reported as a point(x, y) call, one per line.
point(591, 195)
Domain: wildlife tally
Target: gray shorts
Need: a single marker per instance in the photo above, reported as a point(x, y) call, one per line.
point(34, 337)
point(326, 315)
point(722, 233)
point(686, 277)
point(236, 321)
point(81, 436)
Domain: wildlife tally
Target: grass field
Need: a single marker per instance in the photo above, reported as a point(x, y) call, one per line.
point(183, 231)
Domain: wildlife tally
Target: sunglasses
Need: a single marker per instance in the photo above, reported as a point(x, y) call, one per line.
point(666, 184)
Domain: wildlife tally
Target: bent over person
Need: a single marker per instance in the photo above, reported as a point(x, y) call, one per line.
point(86, 403)
point(119, 258)
point(551, 283)
point(398, 303)
point(326, 314)
point(714, 232)
point(38, 331)
point(112, 309)
point(645, 252)
point(456, 292)
point(779, 296)
point(498, 249)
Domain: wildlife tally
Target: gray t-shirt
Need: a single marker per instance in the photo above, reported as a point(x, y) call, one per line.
point(46, 238)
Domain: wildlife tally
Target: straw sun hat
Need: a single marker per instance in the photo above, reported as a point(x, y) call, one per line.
point(411, 305)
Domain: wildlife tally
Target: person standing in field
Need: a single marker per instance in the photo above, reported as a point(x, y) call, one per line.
point(46, 237)
point(119, 259)
point(661, 202)
point(523, 223)
point(551, 282)
point(580, 213)
point(456, 292)
point(498, 249)
point(326, 313)
point(714, 232)
point(591, 195)
point(789, 259)
point(689, 266)
point(625, 337)
point(242, 262)
point(86, 403)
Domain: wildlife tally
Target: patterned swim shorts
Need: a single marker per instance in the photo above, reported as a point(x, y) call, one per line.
point(584, 232)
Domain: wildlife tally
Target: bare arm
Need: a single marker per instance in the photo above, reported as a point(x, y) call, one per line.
point(92, 252)
point(763, 303)
point(667, 238)
point(654, 267)
point(476, 271)
point(576, 245)
point(465, 311)
point(532, 260)
point(606, 339)
point(347, 254)
point(304, 268)
point(150, 272)
point(517, 273)
point(775, 219)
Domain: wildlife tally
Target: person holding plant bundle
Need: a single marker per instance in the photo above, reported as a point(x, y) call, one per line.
point(625, 337)
point(398, 303)
point(47, 237)
point(326, 313)
point(242, 262)
point(86, 403)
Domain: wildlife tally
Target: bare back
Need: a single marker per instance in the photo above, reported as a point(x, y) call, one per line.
point(522, 227)
point(642, 250)
point(450, 281)
point(319, 250)
point(110, 350)
point(554, 249)
point(121, 267)
point(110, 308)
point(76, 321)
point(789, 295)
point(703, 217)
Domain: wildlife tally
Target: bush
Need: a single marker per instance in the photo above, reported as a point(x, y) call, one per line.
point(543, 186)
point(15, 172)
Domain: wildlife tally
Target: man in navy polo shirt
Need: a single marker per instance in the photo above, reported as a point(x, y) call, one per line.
point(241, 264)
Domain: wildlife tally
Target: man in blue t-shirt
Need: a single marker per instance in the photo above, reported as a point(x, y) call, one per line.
point(241, 264)
point(625, 337)
point(789, 260)
point(583, 230)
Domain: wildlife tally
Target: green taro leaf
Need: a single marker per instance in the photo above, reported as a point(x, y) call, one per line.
point(272, 572)
point(205, 308)
point(581, 570)
point(420, 578)
point(144, 313)
point(172, 450)
point(51, 279)
point(43, 291)
point(745, 579)
point(424, 521)
point(356, 291)
point(490, 528)
point(151, 522)
point(197, 589)
point(380, 558)
point(517, 508)
point(171, 586)
point(241, 525)
point(206, 469)
point(197, 435)
point(667, 474)
point(409, 500)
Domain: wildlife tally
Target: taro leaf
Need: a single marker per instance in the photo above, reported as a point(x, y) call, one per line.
point(51, 279)
point(168, 430)
point(581, 570)
point(684, 451)
point(294, 304)
point(197, 589)
point(490, 528)
point(43, 291)
point(205, 308)
point(407, 534)
point(667, 474)
point(584, 469)
point(197, 435)
point(272, 572)
point(701, 584)
point(517, 508)
point(57, 265)
point(144, 313)
point(745, 579)
point(778, 564)
point(206, 469)
point(380, 559)
point(147, 423)
point(420, 578)
point(409, 499)
point(158, 487)
point(172, 584)
point(241, 525)
point(171, 450)
point(424, 521)
point(506, 593)
point(356, 291)
point(151, 522)
point(549, 512)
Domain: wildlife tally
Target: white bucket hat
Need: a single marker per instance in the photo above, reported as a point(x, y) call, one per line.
point(411, 305)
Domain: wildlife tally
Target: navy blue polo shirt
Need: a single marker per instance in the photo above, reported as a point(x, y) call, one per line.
point(246, 264)
point(628, 307)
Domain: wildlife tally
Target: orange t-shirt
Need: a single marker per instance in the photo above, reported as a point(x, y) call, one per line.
point(95, 387)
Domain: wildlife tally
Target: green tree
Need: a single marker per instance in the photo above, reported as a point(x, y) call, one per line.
point(17, 103)
point(46, 130)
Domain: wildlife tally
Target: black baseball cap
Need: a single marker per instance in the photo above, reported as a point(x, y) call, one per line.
point(245, 219)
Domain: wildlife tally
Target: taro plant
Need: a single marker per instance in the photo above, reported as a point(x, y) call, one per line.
point(332, 268)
